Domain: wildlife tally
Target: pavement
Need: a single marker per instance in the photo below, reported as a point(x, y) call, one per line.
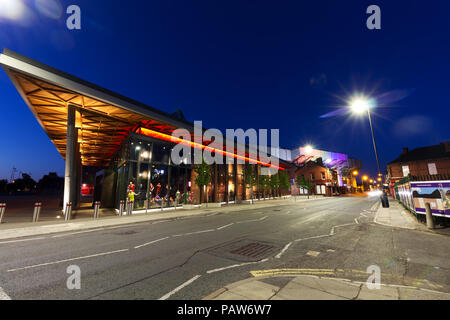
point(190, 257)
point(30, 229)
point(306, 287)
point(396, 216)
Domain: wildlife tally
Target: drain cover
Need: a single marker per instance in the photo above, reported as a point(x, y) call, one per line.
point(253, 250)
point(245, 250)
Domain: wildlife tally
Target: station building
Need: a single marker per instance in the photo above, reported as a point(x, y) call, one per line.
point(119, 139)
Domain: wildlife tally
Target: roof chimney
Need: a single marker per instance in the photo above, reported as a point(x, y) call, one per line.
point(405, 151)
point(446, 146)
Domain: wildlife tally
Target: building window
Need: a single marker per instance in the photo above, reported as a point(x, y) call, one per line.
point(323, 175)
point(405, 170)
point(312, 176)
point(432, 169)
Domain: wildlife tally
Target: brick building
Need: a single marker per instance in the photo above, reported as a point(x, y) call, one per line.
point(325, 180)
point(426, 163)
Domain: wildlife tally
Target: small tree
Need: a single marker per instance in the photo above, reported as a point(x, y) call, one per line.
point(274, 182)
point(203, 178)
point(304, 183)
point(250, 178)
point(264, 184)
point(285, 184)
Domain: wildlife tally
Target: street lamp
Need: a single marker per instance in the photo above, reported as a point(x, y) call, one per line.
point(365, 178)
point(359, 106)
point(355, 173)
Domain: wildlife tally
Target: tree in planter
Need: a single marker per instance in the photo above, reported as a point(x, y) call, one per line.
point(304, 183)
point(285, 184)
point(203, 178)
point(274, 184)
point(250, 178)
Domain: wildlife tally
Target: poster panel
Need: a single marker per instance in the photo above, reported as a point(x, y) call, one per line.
point(436, 193)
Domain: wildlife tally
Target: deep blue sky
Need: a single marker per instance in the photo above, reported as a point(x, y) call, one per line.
point(244, 64)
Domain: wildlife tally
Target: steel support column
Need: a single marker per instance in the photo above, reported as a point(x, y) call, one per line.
point(70, 191)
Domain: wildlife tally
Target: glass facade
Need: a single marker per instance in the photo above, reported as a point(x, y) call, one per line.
point(143, 165)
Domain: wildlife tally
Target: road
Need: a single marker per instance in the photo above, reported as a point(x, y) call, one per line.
point(192, 257)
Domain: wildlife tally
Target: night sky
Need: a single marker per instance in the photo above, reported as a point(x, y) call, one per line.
point(243, 64)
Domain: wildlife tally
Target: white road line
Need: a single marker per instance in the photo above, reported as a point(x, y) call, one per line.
point(315, 237)
point(226, 226)
point(254, 220)
point(3, 295)
point(191, 233)
point(278, 256)
point(67, 260)
point(168, 295)
point(151, 242)
point(356, 220)
point(332, 232)
point(287, 212)
point(22, 240)
point(235, 266)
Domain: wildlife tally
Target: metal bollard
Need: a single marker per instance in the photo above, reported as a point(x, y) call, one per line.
point(96, 207)
point(68, 211)
point(37, 211)
point(130, 208)
point(121, 207)
point(430, 221)
point(2, 211)
point(146, 202)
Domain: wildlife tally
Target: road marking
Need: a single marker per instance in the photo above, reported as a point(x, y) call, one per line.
point(272, 272)
point(22, 240)
point(235, 266)
point(315, 237)
point(3, 295)
point(254, 220)
point(191, 233)
point(230, 224)
point(168, 295)
point(67, 260)
point(356, 220)
point(151, 242)
point(313, 253)
point(287, 212)
point(278, 256)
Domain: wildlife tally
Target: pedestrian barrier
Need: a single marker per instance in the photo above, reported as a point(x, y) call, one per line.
point(2, 211)
point(96, 207)
point(121, 207)
point(68, 211)
point(37, 211)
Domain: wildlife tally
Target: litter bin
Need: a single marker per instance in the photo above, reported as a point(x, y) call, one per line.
point(384, 200)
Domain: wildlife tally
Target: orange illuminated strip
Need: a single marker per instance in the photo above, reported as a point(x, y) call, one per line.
point(166, 137)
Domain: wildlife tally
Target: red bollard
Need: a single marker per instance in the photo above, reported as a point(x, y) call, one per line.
point(68, 211)
point(37, 211)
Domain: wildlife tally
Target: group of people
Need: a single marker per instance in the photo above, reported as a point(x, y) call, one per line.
point(158, 194)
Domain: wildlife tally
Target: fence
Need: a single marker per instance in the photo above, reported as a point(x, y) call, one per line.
point(415, 194)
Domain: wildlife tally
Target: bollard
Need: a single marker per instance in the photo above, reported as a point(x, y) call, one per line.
point(37, 211)
point(68, 211)
point(131, 208)
point(2, 211)
point(146, 202)
point(121, 207)
point(430, 222)
point(96, 207)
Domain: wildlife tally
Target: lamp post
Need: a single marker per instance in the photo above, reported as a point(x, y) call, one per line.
point(359, 106)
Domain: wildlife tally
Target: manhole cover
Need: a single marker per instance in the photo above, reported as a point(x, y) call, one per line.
point(245, 250)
